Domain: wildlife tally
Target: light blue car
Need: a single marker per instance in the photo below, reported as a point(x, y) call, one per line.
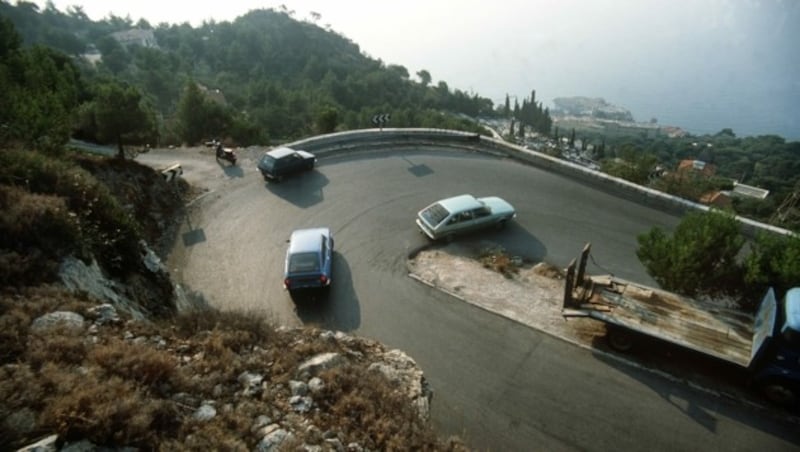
point(461, 214)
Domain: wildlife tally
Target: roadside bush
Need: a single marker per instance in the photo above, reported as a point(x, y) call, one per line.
point(137, 362)
point(36, 232)
point(19, 307)
point(699, 257)
point(774, 261)
point(106, 411)
point(252, 327)
point(365, 405)
point(105, 228)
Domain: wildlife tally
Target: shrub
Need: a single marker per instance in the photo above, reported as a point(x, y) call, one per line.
point(56, 345)
point(106, 411)
point(774, 261)
point(105, 228)
point(137, 362)
point(699, 257)
point(365, 406)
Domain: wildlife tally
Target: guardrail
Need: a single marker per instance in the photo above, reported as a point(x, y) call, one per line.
point(390, 138)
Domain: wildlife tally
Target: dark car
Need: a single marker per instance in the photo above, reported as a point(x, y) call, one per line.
point(308, 259)
point(283, 161)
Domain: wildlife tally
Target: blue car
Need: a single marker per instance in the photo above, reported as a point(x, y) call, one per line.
point(308, 259)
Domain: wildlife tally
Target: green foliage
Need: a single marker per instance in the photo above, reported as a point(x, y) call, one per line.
point(276, 76)
point(122, 117)
point(630, 165)
point(700, 257)
point(774, 261)
point(202, 118)
point(327, 120)
point(92, 219)
point(40, 89)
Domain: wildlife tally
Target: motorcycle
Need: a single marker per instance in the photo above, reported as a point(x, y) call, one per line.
point(226, 154)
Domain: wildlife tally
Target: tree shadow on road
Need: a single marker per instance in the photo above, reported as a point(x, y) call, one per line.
point(336, 308)
point(303, 190)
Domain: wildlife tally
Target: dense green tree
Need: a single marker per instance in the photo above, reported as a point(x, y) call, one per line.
point(40, 90)
point(327, 120)
point(699, 257)
point(774, 261)
point(630, 165)
point(424, 77)
point(191, 115)
point(115, 57)
point(122, 117)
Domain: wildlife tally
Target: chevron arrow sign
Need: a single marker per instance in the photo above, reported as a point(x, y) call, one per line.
point(380, 120)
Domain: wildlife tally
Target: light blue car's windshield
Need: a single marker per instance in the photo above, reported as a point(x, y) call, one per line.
point(435, 214)
point(304, 262)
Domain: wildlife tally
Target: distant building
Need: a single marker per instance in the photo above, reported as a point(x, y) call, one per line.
point(696, 167)
point(136, 36)
point(673, 132)
point(748, 191)
point(717, 199)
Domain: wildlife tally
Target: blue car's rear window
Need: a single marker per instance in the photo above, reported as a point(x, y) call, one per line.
point(435, 214)
point(304, 262)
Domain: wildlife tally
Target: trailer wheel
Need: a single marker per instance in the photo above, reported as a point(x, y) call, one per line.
point(620, 339)
point(778, 392)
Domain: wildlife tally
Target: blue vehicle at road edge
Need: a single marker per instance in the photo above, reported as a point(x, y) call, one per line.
point(309, 259)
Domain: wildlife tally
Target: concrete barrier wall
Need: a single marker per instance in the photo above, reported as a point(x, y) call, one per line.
point(366, 139)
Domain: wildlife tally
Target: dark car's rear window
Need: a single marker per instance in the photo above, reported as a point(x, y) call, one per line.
point(435, 214)
point(304, 262)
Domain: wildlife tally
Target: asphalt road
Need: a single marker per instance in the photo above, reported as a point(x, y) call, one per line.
point(499, 385)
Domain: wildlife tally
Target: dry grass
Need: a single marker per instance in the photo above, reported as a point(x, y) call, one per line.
point(115, 391)
point(496, 258)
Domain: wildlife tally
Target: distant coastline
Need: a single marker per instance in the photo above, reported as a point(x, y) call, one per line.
point(597, 114)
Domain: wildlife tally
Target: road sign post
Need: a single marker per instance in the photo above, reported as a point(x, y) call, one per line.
point(381, 119)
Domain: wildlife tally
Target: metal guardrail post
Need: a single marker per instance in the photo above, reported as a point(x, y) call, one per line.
point(568, 284)
point(582, 264)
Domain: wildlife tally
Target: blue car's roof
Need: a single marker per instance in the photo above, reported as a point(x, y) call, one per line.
point(792, 309)
point(307, 240)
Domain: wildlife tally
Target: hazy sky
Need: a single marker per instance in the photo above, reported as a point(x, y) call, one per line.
point(700, 64)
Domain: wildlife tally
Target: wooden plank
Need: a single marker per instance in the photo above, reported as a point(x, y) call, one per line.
point(656, 313)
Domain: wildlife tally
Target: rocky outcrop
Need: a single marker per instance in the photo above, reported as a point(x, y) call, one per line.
point(286, 404)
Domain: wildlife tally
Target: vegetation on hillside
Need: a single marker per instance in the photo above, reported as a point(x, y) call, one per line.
point(768, 162)
point(707, 255)
point(263, 77)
